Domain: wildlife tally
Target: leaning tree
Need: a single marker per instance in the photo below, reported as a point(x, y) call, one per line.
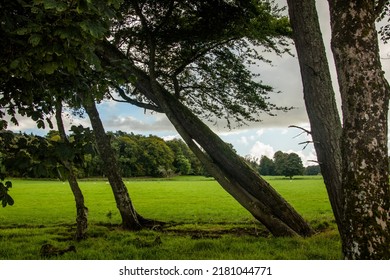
point(190, 59)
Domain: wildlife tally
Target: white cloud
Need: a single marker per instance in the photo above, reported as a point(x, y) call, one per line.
point(171, 137)
point(24, 124)
point(243, 140)
point(227, 132)
point(307, 158)
point(260, 132)
point(260, 149)
point(70, 120)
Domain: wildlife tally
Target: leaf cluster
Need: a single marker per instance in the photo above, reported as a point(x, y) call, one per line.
point(202, 51)
point(35, 156)
point(383, 14)
point(5, 198)
point(47, 49)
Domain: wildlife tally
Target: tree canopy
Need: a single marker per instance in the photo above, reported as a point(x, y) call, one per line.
point(48, 50)
point(203, 79)
point(201, 52)
point(138, 156)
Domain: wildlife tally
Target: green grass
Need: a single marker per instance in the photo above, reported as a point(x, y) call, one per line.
point(204, 222)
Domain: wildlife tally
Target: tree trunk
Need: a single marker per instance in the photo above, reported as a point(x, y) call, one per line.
point(82, 210)
point(364, 92)
point(230, 170)
point(239, 179)
point(128, 214)
point(260, 211)
point(319, 98)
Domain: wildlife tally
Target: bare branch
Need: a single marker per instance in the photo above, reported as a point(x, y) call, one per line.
point(306, 143)
point(129, 100)
point(301, 128)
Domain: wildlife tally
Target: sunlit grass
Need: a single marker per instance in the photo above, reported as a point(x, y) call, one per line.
point(204, 221)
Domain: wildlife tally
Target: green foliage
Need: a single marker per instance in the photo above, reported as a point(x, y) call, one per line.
point(313, 170)
point(293, 166)
point(24, 155)
point(283, 164)
point(267, 166)
point(48, 50)
point(203, 51)
point(38, 157)
point(288, 164)
point(5, 198)
point(183, 165)
point(140, 156)
point(185, 161)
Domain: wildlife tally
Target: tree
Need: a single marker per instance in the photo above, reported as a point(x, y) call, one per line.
point(313, 170)
point(130, 218)
point(49, 52)
point(227, 167)
point(41, 157)
point(156, 157)
point(267, 166)
point(294, 166)
point(185, 158)
point(128, 149)
point(359, 187)
point(288, 164)
point(183, 165)
point(280, 162)
point(365, 93)
point(215, 59)
point(81, 209)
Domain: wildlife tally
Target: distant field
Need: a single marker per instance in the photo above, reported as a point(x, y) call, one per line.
point(203, 220)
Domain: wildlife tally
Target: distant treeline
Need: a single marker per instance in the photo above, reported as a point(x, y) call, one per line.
point(32, 156)
point(282, 164)
point(137, 156)
point(142, 156)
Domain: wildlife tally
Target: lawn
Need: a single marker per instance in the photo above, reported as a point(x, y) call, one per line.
point(203, 221)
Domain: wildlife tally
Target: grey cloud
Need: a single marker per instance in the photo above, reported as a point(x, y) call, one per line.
point(152, 123)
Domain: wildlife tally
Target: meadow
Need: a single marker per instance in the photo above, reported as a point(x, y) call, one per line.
point(203, 221)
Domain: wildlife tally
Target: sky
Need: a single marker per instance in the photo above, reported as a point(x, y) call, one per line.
point(256, 139)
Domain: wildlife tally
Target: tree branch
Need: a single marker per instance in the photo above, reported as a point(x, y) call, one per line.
point(301, 128)
point(129, 100)
point(306, 143)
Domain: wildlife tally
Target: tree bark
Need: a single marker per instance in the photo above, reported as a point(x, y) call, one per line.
point(234, 175)
point(81, 209)
point(319, 98)
point(130, 218)
point(365, 94)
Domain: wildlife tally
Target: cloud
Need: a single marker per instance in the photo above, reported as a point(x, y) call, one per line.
point(171, 137)
point(260, 132)
point(260, 149)
point(25, 124)
point(308, 157)
point(157, 123)
point(243, 140)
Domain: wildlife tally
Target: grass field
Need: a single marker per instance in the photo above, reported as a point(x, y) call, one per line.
point(204, 222)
